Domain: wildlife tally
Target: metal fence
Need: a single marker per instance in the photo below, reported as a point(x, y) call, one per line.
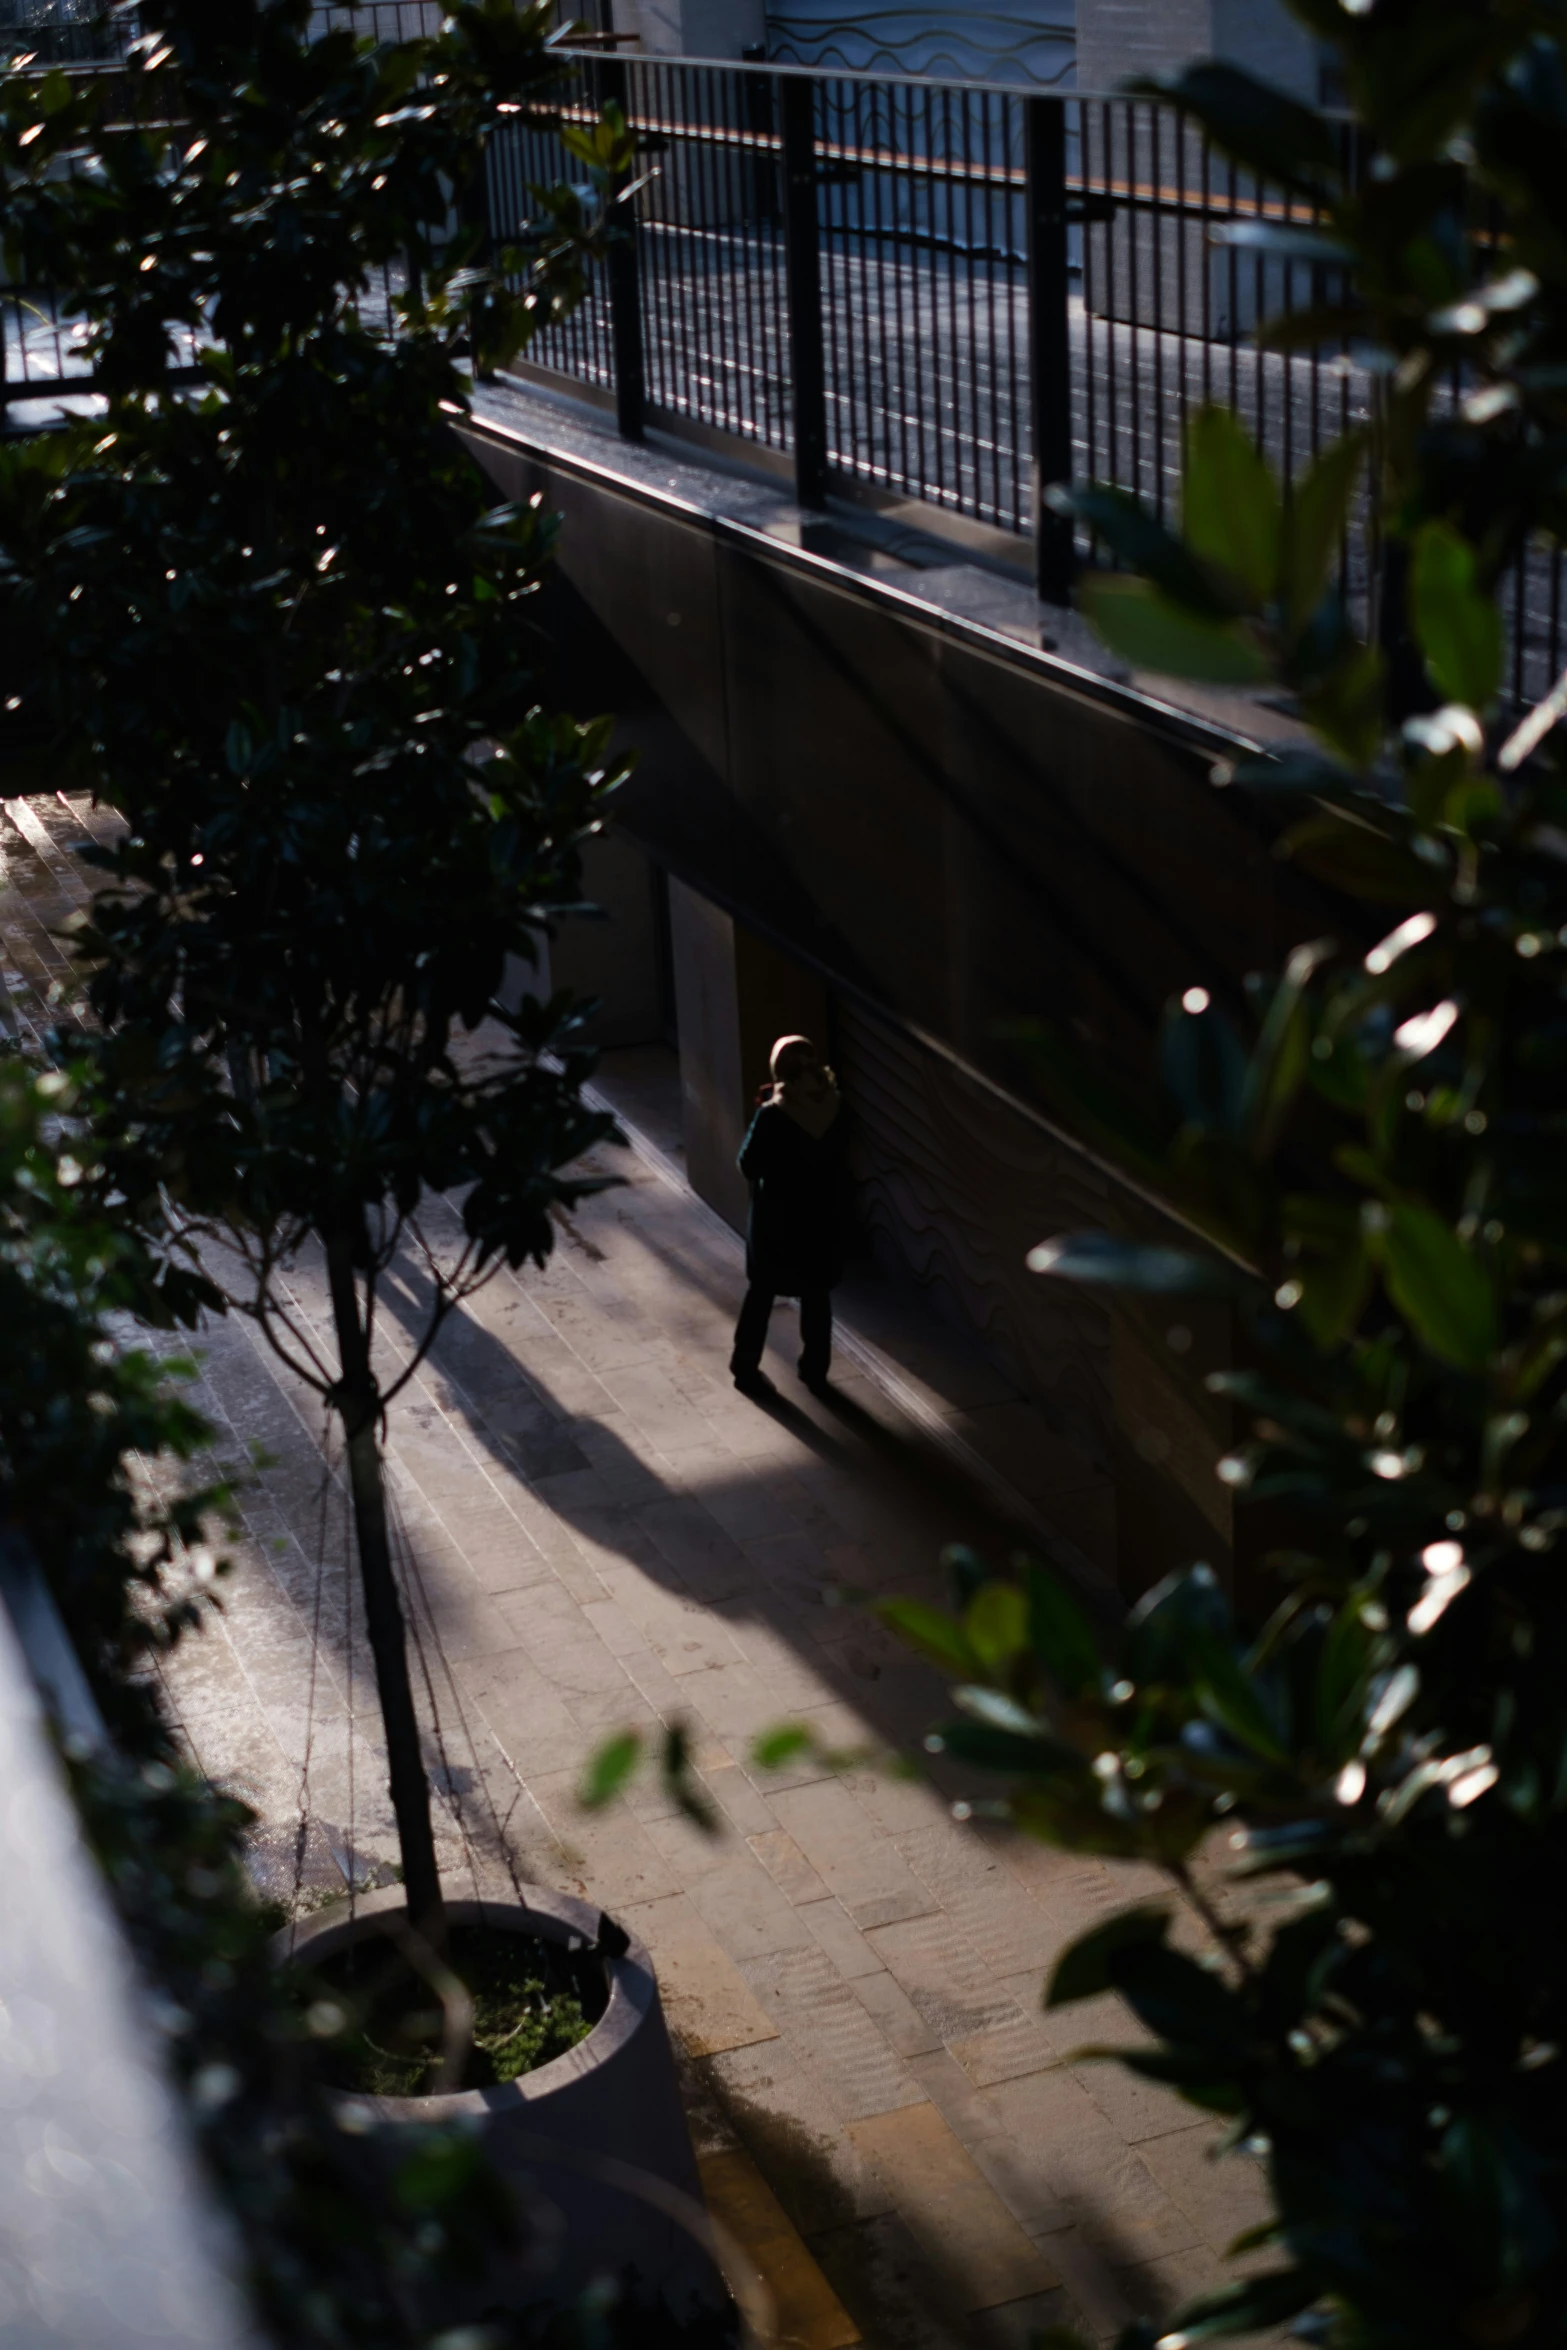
point(943, 297)
point(955, 295)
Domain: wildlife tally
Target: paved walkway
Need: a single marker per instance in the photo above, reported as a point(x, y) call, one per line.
point(600, 1532)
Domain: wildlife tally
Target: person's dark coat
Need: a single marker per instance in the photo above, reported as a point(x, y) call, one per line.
point(798, 1229)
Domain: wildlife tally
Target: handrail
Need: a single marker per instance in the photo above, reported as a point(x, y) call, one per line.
point(771, 68)
point(1127, 195)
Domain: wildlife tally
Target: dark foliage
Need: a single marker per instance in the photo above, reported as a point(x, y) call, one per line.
point(1362, 1799)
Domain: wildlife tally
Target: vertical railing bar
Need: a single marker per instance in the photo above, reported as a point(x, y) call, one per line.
point(1282, 362)
point(1049, 330)
point(1134, 289)
point(992, 354)
point(969, 444)
point(721, 160)
point(1155, 119)
point(625, 293)
point(906, 196)
point(835, 236)
point(782, 364)
point(1259, 368)
point(1112, 404)
point(735, 400)
point(803, 258)
point(955, 149)
point(680, 313)
point(702, 392)
point(1182, 292)
point(742, 182)
point(881, 459)
point(1206, 217)
point(1233, 267)
point(1090, 289)
point(919, 341)
point(1019, 406)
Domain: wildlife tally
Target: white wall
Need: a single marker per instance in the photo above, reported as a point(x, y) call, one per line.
point(1119, 38)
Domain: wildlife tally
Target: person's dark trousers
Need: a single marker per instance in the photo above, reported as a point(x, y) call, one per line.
point(815, 1332)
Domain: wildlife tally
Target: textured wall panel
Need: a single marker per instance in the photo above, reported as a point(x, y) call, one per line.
point(956, 1187)
point(952, 42)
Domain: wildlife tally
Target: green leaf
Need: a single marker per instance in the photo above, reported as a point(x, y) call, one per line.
point(1148, 631)
point(1174, 1625)
point(1231, 1699)
point(934, 1634)
point(1333, 1291)
point(1254, 122)
point(995, 1625)
point(1254, 2305)
point(1347, 703)
point(1314, 525)
point(1083, 1971)
point(1131, 1264)
point(1358, 860)
point(1439, 1287)
point(609, 1769)
point(1184, 2003)
point(1280, 1057)
point(1142, 544)
point(783, 1745)
point(1060, 1634)
point(1302, 771)
point(1191, 2072)
point(1457, 626)
point(1202, 1067)
point(1008, 1752)
point(681, 1781)
point(1231, 509)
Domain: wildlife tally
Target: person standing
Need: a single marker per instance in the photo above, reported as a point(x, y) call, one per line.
point(795, 1159)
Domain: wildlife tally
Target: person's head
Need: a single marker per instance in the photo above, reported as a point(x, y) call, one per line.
point(794, 1060)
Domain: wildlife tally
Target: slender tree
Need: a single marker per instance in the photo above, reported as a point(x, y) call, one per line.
point(260, 606)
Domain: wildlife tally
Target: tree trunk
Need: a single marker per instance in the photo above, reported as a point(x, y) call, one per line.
point(359, 1404)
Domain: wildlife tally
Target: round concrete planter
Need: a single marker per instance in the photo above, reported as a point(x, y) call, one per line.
point(596, 2139)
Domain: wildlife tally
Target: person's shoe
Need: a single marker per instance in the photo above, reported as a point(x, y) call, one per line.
point(753, 1383)
point(815, 1378)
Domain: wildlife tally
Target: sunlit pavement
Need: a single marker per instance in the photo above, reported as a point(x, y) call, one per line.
point(599, 1533)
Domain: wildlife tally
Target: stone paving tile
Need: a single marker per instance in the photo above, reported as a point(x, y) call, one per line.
point(1221, 2195)
point(1087, 2167)
point(842, 1940)
point(866, 1873)
point(780, 2109)
point(985, 2258)
point(816, 2011)
point(944, 1975)
point(789, 1869)
point(709, 2004)
point(896, 2013)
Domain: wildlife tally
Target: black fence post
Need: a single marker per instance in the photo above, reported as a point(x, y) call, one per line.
point(623, 266)
point(803, 275)
point(1049, 341)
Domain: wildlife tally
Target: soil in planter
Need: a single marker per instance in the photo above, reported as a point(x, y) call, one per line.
point(380, 2024)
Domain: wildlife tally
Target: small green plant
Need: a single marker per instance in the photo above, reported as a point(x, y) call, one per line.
point(382, 2034)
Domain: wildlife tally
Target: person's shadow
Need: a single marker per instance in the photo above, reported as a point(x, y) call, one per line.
point(588, 1477)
